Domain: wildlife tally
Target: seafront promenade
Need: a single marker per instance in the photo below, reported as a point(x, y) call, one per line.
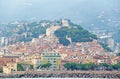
point(63, 74)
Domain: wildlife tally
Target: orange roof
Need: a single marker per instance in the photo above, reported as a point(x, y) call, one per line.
point(117, 58)
point(74, 60)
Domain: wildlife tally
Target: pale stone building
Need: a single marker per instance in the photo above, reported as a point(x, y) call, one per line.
point(10, 67)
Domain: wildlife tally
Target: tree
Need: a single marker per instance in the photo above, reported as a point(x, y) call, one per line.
point(90, 66)
point(76, 33)
point(105, 46)
point(104, 64)
point(70, 66)
point(46, 65)
point(31, 66)
point(20, 67)
point(110, 67)
point(83, 67)
point(64, 41)
point(79, 66)
point(116, 66)
point(67, 66)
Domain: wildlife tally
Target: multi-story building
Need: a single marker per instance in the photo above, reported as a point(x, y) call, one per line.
point(10, 67)
point(36, 60)
point(53, 58)
point(33, 59)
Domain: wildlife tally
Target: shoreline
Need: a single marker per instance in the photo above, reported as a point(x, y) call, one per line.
point(63, 74)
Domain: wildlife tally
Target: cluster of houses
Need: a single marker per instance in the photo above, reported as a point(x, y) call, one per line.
point(46, 49)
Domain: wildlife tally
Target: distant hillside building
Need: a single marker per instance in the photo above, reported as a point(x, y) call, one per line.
point(117, 49)
point(111, 43)
point(2, 41)
point(65, 22)
point(50, 31)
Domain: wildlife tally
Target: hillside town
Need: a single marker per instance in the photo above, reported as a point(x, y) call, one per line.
point(45, 53)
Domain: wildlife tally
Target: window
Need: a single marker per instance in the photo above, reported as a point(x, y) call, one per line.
point(54, 53)
point(54, 61)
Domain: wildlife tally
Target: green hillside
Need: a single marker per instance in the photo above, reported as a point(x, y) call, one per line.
point(76, 33)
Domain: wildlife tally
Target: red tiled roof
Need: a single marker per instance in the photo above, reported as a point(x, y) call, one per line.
point(3, 61)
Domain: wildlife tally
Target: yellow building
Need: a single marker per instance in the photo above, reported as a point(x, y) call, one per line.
point(53, 58)
point(88, 60)
point(30, 58)
point(33, 60)
point(10, 67)
point(36, 62)
point(47, 57)
point(63, 55)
